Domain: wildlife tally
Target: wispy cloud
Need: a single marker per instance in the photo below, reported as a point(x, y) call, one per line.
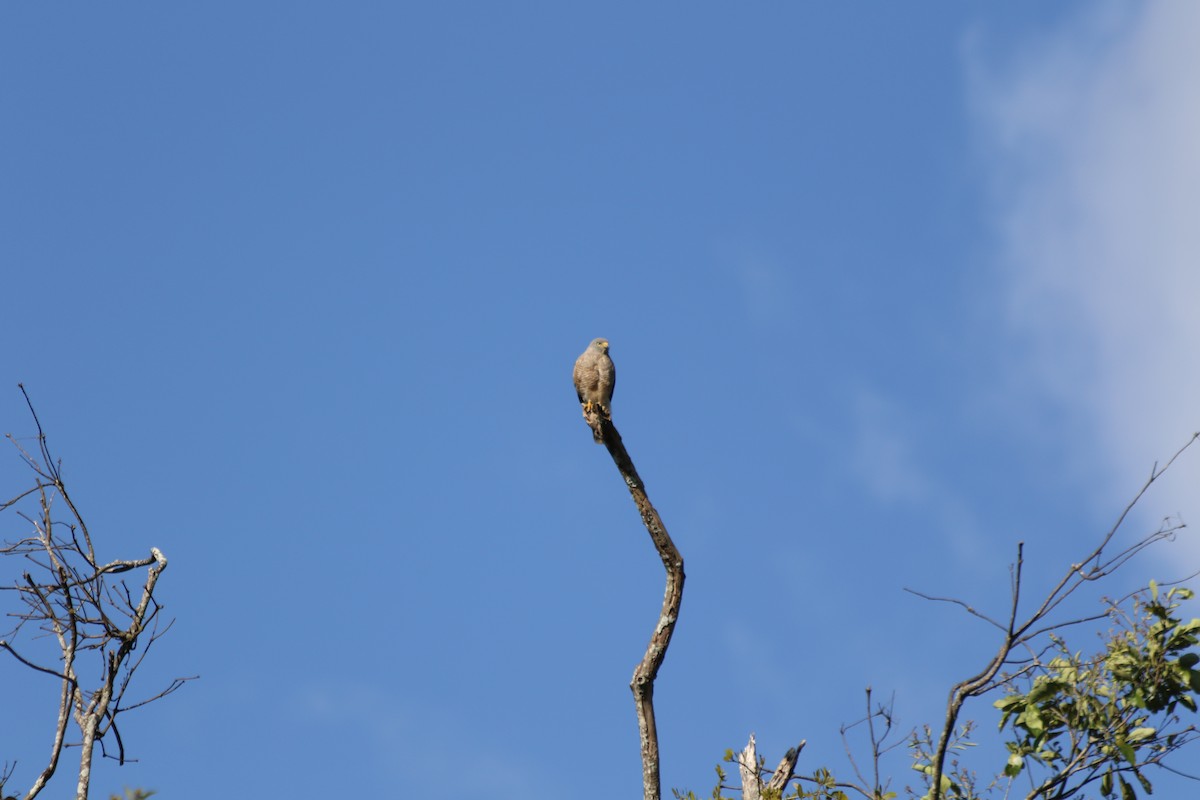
point(1091, 138)
point(885, 459)
point(765, 286)
point(394, 729)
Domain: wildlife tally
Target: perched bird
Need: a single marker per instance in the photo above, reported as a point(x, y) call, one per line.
point(595, 376)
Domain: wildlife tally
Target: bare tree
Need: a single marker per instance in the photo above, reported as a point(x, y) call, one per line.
point(99, 624)
point(646, 671)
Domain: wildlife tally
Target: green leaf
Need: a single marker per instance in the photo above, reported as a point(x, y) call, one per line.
point(1047, 755)
point(1044, 689)
point(1032, 721)
point(1013, 768)
point(1127, 792)
point(1128, 752)
point(1138, 734)
point(1106, 784)
point(1144, 781)
point(1009, 703)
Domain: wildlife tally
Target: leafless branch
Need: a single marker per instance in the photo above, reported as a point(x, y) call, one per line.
point(874, 787)
point(748, 770)
point(646, 671)
point(785, 771)
point(955, 601)
point(90, 612)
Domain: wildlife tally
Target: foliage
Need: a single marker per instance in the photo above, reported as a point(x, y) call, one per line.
point(1068, 721)
point(958, 782)
point(1076, 720)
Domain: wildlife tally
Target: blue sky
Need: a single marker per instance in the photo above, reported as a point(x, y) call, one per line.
point(297, 288)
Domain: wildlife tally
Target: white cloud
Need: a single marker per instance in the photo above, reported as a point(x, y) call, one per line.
point(1092, 136)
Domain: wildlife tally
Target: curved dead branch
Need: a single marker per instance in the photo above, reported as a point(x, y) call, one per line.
point(647, 669)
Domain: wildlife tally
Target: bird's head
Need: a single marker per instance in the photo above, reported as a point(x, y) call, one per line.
point(600, 344)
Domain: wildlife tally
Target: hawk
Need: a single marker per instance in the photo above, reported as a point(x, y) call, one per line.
point(595, 376)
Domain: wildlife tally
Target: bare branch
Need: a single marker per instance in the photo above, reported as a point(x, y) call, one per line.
point(785, 771)
point(87, 607)
point(6, 646)
point(966, 607)
point(646, 671)
point(1077, 576)
point(747, 762)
